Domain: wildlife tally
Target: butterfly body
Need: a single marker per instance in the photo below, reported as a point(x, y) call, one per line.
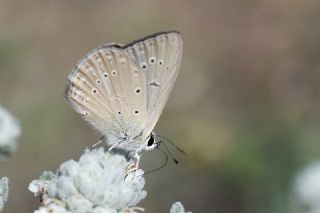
point(121, 90)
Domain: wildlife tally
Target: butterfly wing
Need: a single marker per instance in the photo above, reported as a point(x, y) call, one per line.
point(108, 89)
point(159, 57)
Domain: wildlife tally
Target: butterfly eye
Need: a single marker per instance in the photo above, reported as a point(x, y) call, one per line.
point(150, 141)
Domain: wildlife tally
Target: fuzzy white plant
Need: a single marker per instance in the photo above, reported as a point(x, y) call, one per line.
point(177, 207)
point(9, 132)
point(97, 183)
point(4, 191)
point(306, 190)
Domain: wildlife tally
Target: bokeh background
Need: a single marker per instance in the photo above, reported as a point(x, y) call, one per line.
point(245, 107)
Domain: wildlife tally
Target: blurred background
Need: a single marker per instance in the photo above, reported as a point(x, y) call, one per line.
point(245, 107)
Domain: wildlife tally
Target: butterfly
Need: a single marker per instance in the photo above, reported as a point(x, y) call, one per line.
point(121, 90)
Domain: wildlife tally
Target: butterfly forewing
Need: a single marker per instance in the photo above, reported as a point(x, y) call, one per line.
point(108, 88)
point(159, 57)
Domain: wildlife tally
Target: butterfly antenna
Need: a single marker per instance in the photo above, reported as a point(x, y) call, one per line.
point(163, 165)
point(172, 144)
point(172, 158)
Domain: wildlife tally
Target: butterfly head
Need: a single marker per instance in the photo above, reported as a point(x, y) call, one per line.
point(152, 142)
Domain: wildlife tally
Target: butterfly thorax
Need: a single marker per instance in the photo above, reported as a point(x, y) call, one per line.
point(131, 140)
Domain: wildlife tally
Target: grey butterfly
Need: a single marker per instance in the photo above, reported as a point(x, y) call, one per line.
point(121, 90)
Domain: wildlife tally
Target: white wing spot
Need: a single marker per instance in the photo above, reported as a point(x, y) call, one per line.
point(85, 113)
point(150, 43)
point(92, 71)
point(163, 40)
point(140, 48)
point(152, 60)
point(172, 39)
point(99, 60)
point(123, 60)
point(135, 71)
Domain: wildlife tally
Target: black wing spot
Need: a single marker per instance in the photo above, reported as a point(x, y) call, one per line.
point(144, 66)
point(152, 60)
point(155, 84)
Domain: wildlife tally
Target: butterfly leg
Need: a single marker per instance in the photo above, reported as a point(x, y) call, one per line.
point(114, 145)
point(134, 163)
point(96, 144)
point(134, 209)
